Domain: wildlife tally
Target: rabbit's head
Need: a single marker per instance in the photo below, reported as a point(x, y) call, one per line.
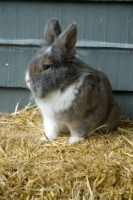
point(54, 66)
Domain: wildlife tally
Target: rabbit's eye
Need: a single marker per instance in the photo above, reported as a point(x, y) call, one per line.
point(46, 67)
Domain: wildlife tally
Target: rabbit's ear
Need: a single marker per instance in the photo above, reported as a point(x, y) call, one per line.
point(52, 30)
point(67, 39)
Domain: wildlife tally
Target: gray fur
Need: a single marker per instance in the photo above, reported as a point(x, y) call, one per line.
point(52, 31)
point(94, 104)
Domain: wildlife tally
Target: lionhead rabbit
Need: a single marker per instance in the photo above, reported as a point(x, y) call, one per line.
point(71, 95)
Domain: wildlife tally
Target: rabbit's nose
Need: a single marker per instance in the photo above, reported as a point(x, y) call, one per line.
point(28, 80)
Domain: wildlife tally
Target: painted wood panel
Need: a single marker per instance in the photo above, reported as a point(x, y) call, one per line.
point(10, 97)
point(110, 22)
point(125, 101)
point(116, 64)
point(105, 41)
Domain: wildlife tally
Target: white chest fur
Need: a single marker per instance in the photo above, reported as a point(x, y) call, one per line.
point(55, 102)
point(58, 101)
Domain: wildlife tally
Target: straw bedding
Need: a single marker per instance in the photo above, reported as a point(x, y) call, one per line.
point(99, 167)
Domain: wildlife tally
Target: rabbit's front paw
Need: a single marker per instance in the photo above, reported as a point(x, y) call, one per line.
point(43, 139)
point(50, 137)
point(74, 140)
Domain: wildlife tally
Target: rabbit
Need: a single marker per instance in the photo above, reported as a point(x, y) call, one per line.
point(71, 95)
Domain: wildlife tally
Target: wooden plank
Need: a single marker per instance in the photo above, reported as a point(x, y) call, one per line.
point(96, 21)
point(80, 43)
point(117, 65)
point(9, 97)
point(14, 62)
point(125, 101)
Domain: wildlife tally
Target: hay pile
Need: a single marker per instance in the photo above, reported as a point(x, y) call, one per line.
point(99, 168)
